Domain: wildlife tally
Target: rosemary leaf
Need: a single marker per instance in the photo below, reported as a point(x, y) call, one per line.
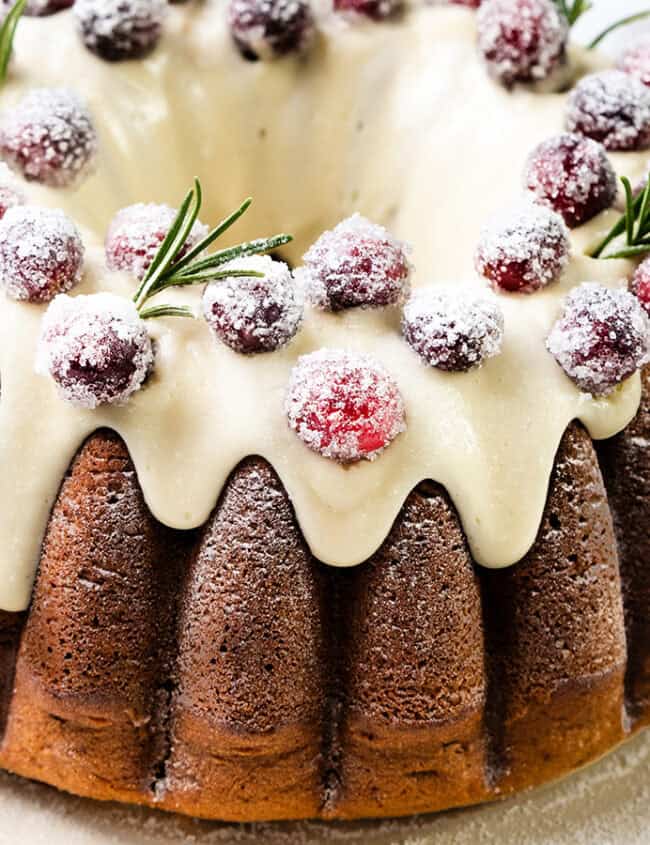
point(7, 33)
point(167, 311)
point(621, 225)
point(639, 16)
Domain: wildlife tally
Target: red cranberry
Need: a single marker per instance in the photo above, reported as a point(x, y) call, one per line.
point(375, 9)
point(252, 314)
point(9, 198)
point(635, 60)
point(267, 29)
point(473, 4)
point(128, 29)
point(611, 107)
point(602, 337)
point(136, 233)
point(344, 405)
point(40, 7)
point(524, 250)
point(96, 348)
point(49, 137)
point(41, 253)
point(453, 330)
point(573, 176)
point(522, 40)
point(357, 264)
point(641, 284)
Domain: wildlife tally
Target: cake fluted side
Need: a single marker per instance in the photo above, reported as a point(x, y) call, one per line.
point(626, 466)
point(231, 676)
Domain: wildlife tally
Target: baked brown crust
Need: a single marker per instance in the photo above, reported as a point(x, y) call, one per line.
point(231, 676)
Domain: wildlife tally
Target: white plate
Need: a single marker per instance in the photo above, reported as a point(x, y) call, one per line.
point(607, 804)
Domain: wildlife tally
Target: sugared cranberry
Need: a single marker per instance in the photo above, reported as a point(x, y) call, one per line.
point(9, 198)
point(344, 405)
point(641, 284)
point(523, 250)
point(453, 330)
point(120, 29)
point(253, 314)
point(611, 107)
point(49, 137)
point(635, 60)
point(41, 253)
point(572, 175)
point(96, 348)
point(375, 9)
point(357, 264)
point(522, 40)
point(40, 7)
point(136, 233)
point(268, 29)
point(602, 337)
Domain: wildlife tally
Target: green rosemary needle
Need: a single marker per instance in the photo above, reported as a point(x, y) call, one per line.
point(634, 224)
point(7, 33)
point(170, 268)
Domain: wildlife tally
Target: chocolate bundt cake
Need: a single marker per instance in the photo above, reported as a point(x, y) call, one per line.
point(335, 525)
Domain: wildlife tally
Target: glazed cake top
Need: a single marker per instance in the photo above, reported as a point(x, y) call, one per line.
point(397, 120)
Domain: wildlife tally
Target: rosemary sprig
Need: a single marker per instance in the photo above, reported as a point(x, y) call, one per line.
point(639, 16)
point(171, 269)
point(575, 10)
point(7, 33)
point(634, 224)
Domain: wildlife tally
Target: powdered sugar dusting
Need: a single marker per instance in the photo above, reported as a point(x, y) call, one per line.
point(123, 30)
point(521, 40)
point(344, 405)
point(267, 29)
point(136, 233)
point(573, 176)
point(41, 253)
point(451, 329)
point(95, 347)
point(602, 337)
point(252, 314)
point(356, 264)
point(49, 137)
point(640, 286)
point(611, 107)
point(524, 249)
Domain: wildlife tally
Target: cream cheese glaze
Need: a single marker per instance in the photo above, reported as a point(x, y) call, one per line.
point(398, 121)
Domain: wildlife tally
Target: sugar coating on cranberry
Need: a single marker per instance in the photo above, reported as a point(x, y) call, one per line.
point(49, 137)
point(356, 264)
point(635, 60)
point(344, 405)
point(268, 29)
point(10, 197)
point(96, 348)
point(136, 233)
point(252, 314)
point(39, 7)
point(374, 9)
point(602, 337)
point(522, 40)
point(41, 253)
point(453, 330)
point(640, 286)
point(115, 31)
point(611, 107)
point(523, 250)
point(572, 175)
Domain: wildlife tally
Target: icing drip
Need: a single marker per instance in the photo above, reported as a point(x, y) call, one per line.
point(379, 119)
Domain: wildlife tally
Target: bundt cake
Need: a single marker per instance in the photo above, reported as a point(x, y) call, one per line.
point(281, 537)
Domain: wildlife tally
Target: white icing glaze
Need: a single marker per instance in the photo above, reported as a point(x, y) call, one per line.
point(397, 120)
